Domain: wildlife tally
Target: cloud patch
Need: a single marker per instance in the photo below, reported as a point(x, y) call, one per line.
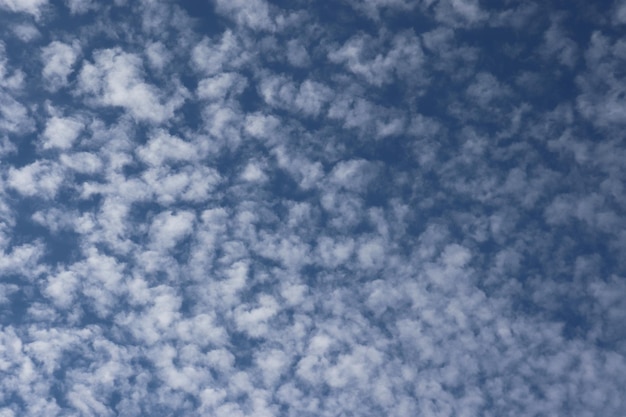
point(116, 79)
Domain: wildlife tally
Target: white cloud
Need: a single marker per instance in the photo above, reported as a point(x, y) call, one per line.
point(26, 32)
point(373, 8)
point(81, 6)
point(23, 259)
point(7, 147)
point(14, 117)
point(345, 209)
point(184, 184)
point(223, 123)
point(82, 162)
point(58, 59)
point(371, 253)
point(163, 147)
point(39, 179)
point(558, 45)
point(32, 7)
point(620, 12)
point(61, 288)
point(601, 86)
point(227, 53)
point(6, 290)
point(85, 401)
point(486, 89)
point(61, 132)
point(305, 172)
point(202, 330)
point(14, 82)
point(430, 225)
point(168, 228)
point(356, 113)
point(353, 175)
point(158, 55)
point(460, 13)
point(291, 252)
point(274, 363)
point(297, 54)
point(311, 97)
point(254, 14)
point(404, 58)
point(253, 320)
point(221, 85)
point(116, 79)
point(335, 252)
point(160, 316)
point(254, 172)
point(261, 126)
point(54, 219)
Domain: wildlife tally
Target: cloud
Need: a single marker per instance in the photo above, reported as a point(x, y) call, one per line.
point(116, 79)
point(308, 98)
point(82, 162)
point(373, 8)
point(81, 6)
point(297, 54)
point(486, 90)
point(22, 259)
point(558, 45)
point(403, 59)
point(158, 55)
point(620, 12)
point(26, 32)
point(600, 89)
point(59, 59)
point(32, 7)
point(353, 174)
point(253, 321)
point(168, 228)
point(61, 288)
point(187, 184)
point(227, 53)
point(254, 14)
point(460, 12)
point(61, 132)
point(39, 179)
point(254, 172)
point(14, 117)
point(383, 207)
point(163, 147)
point(219, 86)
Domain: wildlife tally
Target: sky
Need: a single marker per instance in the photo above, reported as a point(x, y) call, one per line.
point(312, 208)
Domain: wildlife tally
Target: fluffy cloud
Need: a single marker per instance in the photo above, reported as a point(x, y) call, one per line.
point(32, 7)
point(168, 228)
point(383, 207)
point(359, 55)
point(61, 132)
point(116, 79)
point(39, 179)
point(58, 59)
point(14, 117)
point(254, 14)
point(165, 148)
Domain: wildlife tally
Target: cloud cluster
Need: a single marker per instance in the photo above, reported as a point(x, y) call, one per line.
point(379, 207)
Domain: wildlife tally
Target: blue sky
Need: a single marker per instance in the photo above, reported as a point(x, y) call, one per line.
point(299, 208)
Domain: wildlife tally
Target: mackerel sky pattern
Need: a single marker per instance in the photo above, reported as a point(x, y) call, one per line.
point(312, 208)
